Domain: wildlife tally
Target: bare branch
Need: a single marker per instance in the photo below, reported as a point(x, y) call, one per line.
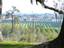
point(60, 12)
point(51, 8)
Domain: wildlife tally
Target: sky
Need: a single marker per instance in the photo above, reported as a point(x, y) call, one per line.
point(26, 7)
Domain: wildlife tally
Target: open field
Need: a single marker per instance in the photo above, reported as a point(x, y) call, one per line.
point(25, 35)
point(28, 31)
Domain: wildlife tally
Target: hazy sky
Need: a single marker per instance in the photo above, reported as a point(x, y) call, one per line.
point(25, 6)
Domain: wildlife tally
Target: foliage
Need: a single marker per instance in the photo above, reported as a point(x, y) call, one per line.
point(28, 33)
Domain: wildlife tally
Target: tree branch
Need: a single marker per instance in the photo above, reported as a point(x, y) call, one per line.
point(42, 2)
point(60, 12)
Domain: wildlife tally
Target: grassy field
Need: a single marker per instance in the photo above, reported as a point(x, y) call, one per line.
point(14, 44)
point(23, 30)
point(25, 35)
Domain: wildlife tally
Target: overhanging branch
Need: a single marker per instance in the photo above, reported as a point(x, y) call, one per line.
point(60, 12)
point(42, 2)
